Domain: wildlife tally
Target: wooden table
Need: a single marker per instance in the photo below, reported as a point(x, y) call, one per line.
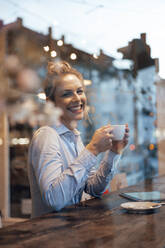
point(99, 223)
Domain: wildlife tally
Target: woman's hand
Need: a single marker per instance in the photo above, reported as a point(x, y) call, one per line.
point(118, 146)
point(101, 140)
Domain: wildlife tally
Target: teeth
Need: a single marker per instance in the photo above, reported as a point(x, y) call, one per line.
point(76, 108)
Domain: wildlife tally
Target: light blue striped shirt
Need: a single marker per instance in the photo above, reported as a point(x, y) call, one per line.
point(63, 172)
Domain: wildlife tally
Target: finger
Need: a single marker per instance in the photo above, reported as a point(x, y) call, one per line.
point(110, 141)
point(106, 130)
point(107, 127)
point(126, 138)
point(126, 127)
point(127, 130)
point(111, 136)
point(126, 135)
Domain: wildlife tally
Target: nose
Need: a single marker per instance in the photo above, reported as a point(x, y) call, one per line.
point(76, 97)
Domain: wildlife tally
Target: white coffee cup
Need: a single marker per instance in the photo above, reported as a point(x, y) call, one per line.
point(118, 132)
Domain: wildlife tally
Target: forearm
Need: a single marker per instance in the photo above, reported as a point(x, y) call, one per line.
point(99, 181)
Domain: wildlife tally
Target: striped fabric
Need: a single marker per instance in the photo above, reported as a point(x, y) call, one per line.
point(63, 172)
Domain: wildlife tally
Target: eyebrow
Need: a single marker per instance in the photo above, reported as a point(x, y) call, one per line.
point(65, 90)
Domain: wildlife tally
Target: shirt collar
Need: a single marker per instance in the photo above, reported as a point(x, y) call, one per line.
point(62, 129)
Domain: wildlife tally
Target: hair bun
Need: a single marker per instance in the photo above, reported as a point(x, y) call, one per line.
point(56, 68)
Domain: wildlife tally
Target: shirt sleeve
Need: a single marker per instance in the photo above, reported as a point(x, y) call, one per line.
point(58, 186)
point(98, 180)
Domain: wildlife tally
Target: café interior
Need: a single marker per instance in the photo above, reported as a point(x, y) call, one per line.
point(128, 90)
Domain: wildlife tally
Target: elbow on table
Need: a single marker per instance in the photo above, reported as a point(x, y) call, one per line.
point(94, 193)
point(97, 195)
point(54, 202)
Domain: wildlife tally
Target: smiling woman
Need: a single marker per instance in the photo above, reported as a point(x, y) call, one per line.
point(61, 170)
point(65, 88)
point(70, 97)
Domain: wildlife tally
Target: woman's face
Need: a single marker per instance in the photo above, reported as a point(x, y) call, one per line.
point(71, 98)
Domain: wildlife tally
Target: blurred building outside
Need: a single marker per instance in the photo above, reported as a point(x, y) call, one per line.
point(118, 91)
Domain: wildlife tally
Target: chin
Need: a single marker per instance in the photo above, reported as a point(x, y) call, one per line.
point(80, 117)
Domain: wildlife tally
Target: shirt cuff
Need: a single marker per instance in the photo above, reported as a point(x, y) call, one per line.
point(111, 159)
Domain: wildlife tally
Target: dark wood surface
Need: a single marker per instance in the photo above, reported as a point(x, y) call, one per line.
point(99, 223)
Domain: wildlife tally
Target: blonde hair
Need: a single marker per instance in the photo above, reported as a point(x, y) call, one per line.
point(56, 72)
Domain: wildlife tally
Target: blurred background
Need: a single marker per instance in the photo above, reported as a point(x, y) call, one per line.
point(117, 46)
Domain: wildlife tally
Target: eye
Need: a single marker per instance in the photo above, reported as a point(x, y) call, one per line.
point(67, 94)
point(80, 92)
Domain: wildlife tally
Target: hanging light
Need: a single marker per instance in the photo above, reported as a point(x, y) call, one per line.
point(95, 56)
point(42, 96)
point(132, 147)
point(151, 147)
point(46, 48)
point(60, 43)
point(73, 56)
point(53, 53)
point(20, 141)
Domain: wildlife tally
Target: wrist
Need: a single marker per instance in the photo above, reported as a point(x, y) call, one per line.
point(92, 149)
point(116, 151)
point(117, 147)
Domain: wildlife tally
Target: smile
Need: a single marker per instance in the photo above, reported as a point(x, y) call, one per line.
point(76, 109)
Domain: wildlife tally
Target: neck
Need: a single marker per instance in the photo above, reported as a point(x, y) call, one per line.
point(70, 125)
